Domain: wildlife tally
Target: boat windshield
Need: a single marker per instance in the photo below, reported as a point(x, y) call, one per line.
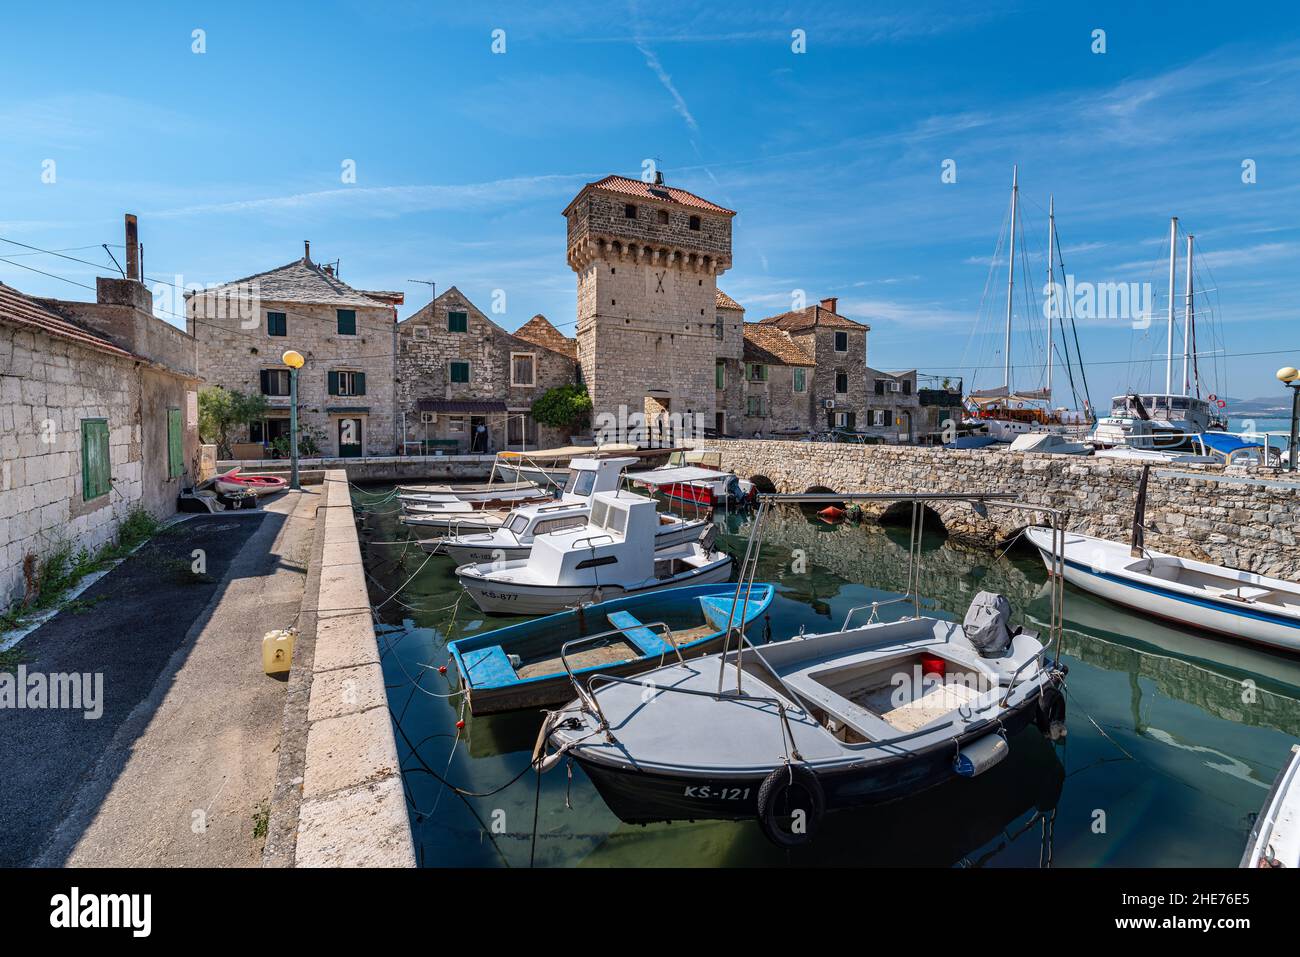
point(580, 482)
point(517, 523)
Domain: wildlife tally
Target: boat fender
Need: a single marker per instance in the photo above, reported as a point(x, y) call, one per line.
point(790, 805)
point(1050, 714)
point(832, 512)
point(974, 759)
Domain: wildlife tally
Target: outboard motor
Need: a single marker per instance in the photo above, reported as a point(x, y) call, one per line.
point(988, 624)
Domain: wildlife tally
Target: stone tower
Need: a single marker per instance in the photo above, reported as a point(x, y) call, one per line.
point(647, 258)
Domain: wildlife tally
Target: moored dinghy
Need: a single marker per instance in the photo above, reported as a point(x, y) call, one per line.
point(1275, 839)
point(819, 722)
point(532, 664)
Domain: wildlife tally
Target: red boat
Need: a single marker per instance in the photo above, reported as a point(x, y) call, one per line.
point(234, 482)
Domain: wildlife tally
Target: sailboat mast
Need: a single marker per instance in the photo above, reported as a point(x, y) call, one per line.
point(1011, 280)
point(1051, 289)
point(1187, 321)
point(1173, 264)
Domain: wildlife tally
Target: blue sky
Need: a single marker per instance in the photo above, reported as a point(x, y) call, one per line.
point(832, 158)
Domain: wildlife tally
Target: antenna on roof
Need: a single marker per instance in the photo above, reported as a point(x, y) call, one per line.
point(427, 282)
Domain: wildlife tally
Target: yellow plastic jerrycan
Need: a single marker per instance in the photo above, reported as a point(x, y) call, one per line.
point(277, 650)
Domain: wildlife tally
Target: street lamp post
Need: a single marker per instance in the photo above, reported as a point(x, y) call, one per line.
point(294, 361)
point(1291, 377)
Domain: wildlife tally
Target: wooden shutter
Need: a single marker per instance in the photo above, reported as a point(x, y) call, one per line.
point(266, 382)
point(333, 383)
point(175, 445)
point(96, 472)
point(358, 383)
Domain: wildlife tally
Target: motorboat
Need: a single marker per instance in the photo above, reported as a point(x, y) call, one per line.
point(1050, 443)
point(696, 476)
point(790, 730)
point(542, 467)
point(236, 482)
point(613, 554)
point(485, 494)
point(513, 539)
point(1154, 455)
point(1228, 601)
point(1275, 837)
point(532, 664)
point(582, 478)
point(1160, 422)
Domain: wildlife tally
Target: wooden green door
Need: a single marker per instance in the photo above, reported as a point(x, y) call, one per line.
point(349, 438)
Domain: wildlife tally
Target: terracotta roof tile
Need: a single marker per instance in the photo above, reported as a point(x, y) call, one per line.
point(773, 346)
point(19, 310)
point(811, 316)
point(723, 301)
point(643, 190)
point(539, 331)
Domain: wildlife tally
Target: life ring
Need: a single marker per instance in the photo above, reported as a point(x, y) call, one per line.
point(788, 789)
point(1049, 717)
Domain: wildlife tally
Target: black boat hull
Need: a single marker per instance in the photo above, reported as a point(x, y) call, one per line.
point(645, 797)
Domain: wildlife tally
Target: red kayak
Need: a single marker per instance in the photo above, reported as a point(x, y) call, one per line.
point(233, 482)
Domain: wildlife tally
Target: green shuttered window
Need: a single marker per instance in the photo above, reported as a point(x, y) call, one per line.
point(277, 324)
point(175, 445)
point(347, 322)
point(458, 322)
point(460, 372)
point(96, 474)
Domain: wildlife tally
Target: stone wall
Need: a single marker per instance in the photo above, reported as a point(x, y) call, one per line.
point(233, 357)
point(47, 387)
point(426, 349)
point(1197, 511)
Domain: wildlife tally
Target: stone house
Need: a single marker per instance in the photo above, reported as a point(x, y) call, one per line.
point(465, 384)
point(346, 390)
point(98, 417)
point(649, 331)
point(837, 346)
point(893, 407)
point(776, 394)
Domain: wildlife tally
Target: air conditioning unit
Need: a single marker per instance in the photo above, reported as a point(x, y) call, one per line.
point(895, 387)
point(828, 404)
point(428, 418)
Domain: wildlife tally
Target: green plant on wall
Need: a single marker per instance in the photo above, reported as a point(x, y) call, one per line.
point(564, 407)
point(309, 443)
point(221, 410)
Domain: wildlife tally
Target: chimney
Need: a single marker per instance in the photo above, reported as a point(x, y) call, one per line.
point(659, 178)
point(830, 303)
point(306, 250)
point(132, 248)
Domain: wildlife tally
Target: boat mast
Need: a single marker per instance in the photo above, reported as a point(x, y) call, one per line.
point(1169, 349)
point(1011, 279)
point(1051, 289)
point(1187, 321)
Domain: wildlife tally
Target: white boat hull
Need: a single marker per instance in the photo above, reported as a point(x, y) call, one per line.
point(517, 598)
point(473, 554)
point(531, 473)
point(1103, 568)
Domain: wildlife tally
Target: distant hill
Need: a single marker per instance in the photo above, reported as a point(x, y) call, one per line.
point(1268, 406)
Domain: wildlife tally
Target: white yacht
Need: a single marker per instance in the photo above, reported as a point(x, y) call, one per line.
point(1051, 443)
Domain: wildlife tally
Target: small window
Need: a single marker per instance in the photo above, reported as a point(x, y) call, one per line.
point(561, 524)
point(720, 375)
point(907, 387)
point(347, 322)
point(629, 211)
point(841, 342)
point(275, 382)
point(879, 418)
point(841, 383)
point(599, 512)
point(518, 523)
point(96, 471)
point(800, 380)
point(755, 405)
point(458, 322)
point(521, 427)
point(347, 383)
point(662, 216)
point(584, 483)
point(841, 420)
point(460, 372)
point(718, 327)
point(277, 324)
point(617, 521)
point(695, 223)
point(175, 444)
point(523, 370)
point(757, 372)
point(456, 423)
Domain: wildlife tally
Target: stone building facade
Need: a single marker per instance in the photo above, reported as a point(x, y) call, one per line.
point(98, 418)
point(649, 334)
point(463, 383)
point(346, 390)
point(837, 346)
point(893, 411)
point(776, 394)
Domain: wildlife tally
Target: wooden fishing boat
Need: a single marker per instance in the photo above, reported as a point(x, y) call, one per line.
point(1228, 601)
point(1275, 838)
point(532, 664)
point(792, 729)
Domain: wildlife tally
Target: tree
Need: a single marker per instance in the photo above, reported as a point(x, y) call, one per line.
point(564, 407)
point(221, 410)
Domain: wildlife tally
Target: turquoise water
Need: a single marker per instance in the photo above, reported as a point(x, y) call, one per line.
point(1174, 737)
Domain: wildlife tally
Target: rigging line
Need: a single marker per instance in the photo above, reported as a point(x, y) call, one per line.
point(1078, 350)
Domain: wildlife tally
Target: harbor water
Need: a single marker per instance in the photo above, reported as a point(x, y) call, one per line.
point(1174, 736)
